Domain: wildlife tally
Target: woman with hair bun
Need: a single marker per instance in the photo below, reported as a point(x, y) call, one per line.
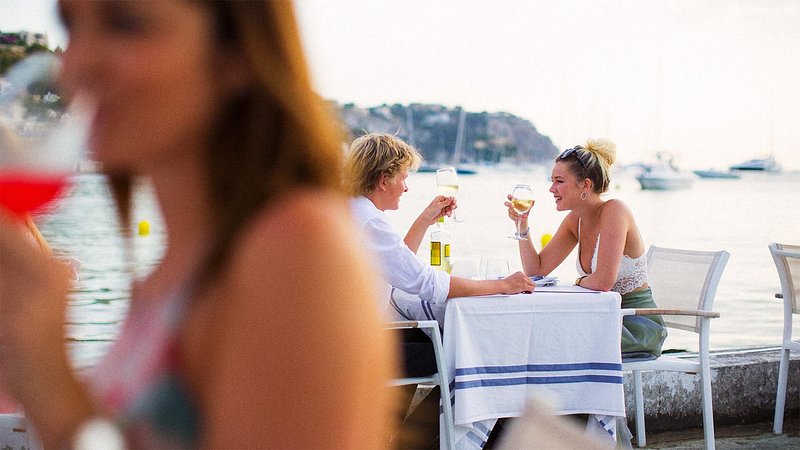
point(611, 252)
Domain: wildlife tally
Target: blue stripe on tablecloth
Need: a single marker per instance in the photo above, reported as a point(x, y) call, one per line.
point(475, 439)
point(490, 382)
point(482, 428)
point(462, 371)
point(607, 422)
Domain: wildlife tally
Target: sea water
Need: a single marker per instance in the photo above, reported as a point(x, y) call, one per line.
point(741, 216)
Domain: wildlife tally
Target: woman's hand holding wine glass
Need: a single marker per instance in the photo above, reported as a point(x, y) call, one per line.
point(41, 136)
point(41, 139)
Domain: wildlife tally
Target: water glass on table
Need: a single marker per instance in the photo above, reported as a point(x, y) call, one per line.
point(493, 268)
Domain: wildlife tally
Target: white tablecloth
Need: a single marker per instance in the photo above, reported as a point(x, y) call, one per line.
point(560, 344)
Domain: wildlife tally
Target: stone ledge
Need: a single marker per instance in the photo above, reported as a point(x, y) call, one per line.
point(743, 385)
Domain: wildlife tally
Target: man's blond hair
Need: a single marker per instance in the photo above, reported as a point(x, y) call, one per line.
point(373, 155)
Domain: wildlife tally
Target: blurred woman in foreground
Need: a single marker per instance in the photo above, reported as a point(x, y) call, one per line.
point(247, 334)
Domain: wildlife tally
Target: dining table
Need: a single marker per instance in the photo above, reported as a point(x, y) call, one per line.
point(559, 345)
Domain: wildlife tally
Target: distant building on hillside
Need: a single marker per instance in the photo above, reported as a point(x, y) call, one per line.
point(14, 46)
point(24, 38)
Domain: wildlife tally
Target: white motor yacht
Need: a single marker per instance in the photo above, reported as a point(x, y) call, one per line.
point(663, 175)
point(767, 164)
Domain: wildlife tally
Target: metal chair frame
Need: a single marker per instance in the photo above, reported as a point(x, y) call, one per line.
point(440, 378)
point(704, 314)
point(790, 285)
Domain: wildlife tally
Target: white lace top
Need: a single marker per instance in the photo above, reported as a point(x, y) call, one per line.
point(632, 271)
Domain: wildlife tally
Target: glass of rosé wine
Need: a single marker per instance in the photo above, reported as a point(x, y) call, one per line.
point(42, 135)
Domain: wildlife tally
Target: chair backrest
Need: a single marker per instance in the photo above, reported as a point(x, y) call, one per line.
point(787, 261)
point(684, 279)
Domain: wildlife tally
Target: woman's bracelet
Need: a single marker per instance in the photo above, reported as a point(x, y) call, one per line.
point(98, 432)
point(578, 281)
point(525, 233)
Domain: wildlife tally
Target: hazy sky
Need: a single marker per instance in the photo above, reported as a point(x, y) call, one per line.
point(714, 82)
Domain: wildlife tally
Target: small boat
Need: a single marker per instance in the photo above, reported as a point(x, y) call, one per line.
point(714, 173)
point(663, 175)
point(767, 164)
point(461, 170)
point(427, 168)
point(466, 170)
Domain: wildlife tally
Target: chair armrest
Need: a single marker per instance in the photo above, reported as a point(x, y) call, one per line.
point(787, 253)
point(398, 324)
point(401, 324)
point(671, 312)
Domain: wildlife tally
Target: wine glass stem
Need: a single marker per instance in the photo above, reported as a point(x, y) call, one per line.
point(518, 228)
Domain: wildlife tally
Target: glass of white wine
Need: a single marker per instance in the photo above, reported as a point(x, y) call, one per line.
point(447, 180)
point(522, 202)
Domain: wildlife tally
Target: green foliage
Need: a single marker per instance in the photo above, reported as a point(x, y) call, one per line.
point(36, 47)
point(7, 59)
point(11, 53)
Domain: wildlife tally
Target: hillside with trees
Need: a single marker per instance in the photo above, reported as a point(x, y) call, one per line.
point(488, 137)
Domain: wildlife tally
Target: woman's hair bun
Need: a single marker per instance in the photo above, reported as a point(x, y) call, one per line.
point(605, 150)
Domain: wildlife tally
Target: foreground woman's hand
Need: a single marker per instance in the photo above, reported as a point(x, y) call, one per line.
point(517, 282)
point(34, 367)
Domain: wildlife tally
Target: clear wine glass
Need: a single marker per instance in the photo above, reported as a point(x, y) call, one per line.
point(522, 202)
point(42, 135)
point(447, 181)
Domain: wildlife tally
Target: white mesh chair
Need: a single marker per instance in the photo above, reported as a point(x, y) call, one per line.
point(684, 283)
point(440, 378)
point(787, 261)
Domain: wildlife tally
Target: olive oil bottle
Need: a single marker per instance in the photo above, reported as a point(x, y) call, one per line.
point(440, 247)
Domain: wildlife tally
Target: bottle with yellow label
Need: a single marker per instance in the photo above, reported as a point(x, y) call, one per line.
point(440, 247)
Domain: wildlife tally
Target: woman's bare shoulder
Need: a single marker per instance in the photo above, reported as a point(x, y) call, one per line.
point(298, 311)
point(616, 207)
point(303, 216)
point(304, 242)
point(300, 259)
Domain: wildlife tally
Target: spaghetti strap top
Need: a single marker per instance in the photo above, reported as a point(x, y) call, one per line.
point(632, 271)
point(142, 383)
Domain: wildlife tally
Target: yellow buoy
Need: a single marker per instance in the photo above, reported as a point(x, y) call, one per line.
point(144, 228)
point(545, 239)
